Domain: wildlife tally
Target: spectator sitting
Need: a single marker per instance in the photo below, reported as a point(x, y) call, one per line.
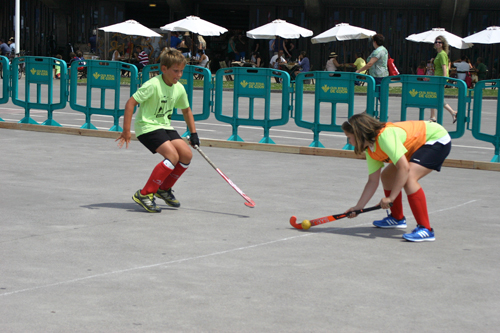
point(256, 59)
point(174, 40)
point(12, 46)
point(463, 68)
point(275, 62)
point(277, 59)
point(360, 62)
point(142, 58)
point(332, 64)
point(304, 64)
point(4, 48)
point(81, 63)
point(422, 68)
point(481, 69)
point(203, 58)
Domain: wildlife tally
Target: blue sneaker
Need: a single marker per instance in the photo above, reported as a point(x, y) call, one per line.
point(390, 222)
point(420, 234)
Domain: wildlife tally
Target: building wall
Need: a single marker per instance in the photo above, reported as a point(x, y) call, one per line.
point(48, 27)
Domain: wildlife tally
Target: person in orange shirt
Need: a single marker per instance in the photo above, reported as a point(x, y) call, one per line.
point(413, 149)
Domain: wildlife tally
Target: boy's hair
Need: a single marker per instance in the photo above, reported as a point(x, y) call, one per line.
point(365, 129)
point(170, 56)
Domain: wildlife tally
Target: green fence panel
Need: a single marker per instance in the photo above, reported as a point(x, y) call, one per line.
point(494, 139)
point(104, 76)
point(5, 80)
point(189, 76)
point(332, 88)
point(425, 92)
point(252, 83)
point(39, 72)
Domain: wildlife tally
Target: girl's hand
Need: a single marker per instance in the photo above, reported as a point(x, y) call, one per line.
point(386, 203)
point(352, 215)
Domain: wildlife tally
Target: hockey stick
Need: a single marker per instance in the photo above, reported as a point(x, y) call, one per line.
point(250, 203)
point(306, 224)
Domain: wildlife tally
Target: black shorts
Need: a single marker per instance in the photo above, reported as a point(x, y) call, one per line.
point(153, 140)
point(431, 156)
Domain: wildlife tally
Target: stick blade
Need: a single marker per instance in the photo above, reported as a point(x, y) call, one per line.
point(250, 204)
point(293, 223)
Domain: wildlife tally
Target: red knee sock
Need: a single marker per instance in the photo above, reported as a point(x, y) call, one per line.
point(418, 205)
point(160, 172)
point(174, 176)
point(397, 205)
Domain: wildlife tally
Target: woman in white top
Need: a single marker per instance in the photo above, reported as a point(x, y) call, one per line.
point(203, 59)
point(332, 64)
point(463, 68)
point(116, 55)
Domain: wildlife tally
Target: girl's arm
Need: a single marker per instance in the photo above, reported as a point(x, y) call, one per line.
point(368, 192)
point(400, 179)
point(127, 121)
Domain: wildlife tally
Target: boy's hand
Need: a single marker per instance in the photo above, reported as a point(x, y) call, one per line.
point(194, 140)
point(124, 138)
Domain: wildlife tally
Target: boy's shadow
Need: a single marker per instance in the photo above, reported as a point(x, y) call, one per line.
point(363, 232)
point(133, 207)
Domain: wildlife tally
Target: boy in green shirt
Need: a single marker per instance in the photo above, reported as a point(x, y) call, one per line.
point(158, 97)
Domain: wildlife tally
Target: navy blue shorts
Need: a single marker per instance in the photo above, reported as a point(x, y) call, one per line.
point(153, 140)
point(431, 156)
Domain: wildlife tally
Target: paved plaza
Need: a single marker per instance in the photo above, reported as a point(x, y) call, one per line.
point(78, 255)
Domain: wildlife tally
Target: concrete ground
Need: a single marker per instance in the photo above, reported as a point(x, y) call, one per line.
point(78, 255)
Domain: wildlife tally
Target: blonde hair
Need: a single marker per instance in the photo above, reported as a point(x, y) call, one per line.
point(446, 46)
point(365, 129)
point(170, 56)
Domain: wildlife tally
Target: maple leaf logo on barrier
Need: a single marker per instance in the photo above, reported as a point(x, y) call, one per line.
point(244, 83)
point(33, 71)
point(96, 75)
point(413, 93)
point(325, 88)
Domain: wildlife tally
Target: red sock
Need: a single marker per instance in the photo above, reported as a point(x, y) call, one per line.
point(160, 172)
point(397, 205)
point(418, 205)
point(174, 176)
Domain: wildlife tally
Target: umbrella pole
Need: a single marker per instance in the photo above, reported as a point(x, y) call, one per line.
point(343, 46)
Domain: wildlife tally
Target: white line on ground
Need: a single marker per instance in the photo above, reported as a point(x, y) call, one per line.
point(153, 266)
point(193, 258)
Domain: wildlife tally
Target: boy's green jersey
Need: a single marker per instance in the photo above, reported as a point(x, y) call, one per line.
point(157, 101)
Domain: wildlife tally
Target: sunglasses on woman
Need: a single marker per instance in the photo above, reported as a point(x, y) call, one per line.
point(438, 42)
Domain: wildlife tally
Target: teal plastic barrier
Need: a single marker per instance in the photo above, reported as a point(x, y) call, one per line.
point(39, 72)
point(5, 80)
point(333, 88)
point(252, 83)
point(187, 80)
point(494, 139)
point(105, 76)
point(419, 93)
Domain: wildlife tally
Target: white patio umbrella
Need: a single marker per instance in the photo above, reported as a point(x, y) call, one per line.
point(490, 35)
point(342, 31)
point(131, 28)
point(280, 28)
point(430, 36)
point(195, 25)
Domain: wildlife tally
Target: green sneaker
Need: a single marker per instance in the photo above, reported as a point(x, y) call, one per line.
point(168, 196)
point(146, 201)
